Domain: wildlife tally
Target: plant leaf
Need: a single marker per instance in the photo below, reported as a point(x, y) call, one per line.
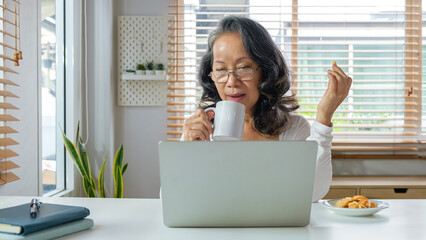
point(124, 168)
point(74, 155)
point(85, 160)
point(92, 193)
point(119, 183)
point(85, 186)
point(77, 137)
point(93, 182)
point(78, 133)
point(84, 157)
point(88, 188)
point(101, 180)
point(118, 160)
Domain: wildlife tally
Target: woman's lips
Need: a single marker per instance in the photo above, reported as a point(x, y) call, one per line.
point(236, 97)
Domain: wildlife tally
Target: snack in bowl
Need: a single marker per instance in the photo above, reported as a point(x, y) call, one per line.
point(355, 206)
point(357, 201)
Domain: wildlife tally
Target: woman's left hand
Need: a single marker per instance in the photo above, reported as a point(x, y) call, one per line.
point(337, 90)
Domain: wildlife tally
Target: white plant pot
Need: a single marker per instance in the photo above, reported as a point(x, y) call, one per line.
point(129, 73)
point(140, 72)
point(160, 72)
point(149, 72)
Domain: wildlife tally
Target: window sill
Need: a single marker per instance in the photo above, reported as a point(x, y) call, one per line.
point(58, 193)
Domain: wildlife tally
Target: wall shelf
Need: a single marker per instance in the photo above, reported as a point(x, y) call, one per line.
point(141, 39)
point(144, 77)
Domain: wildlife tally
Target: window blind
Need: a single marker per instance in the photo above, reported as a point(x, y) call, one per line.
point(423, 74)
point(376, 43)
point(10, 53)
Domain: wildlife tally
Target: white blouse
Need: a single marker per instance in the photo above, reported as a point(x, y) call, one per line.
point(301, 130)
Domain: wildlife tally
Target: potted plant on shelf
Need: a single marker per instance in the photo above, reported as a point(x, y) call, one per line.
point(130, 72)
point(150, 67)
point(160, 69)
point(140, 69)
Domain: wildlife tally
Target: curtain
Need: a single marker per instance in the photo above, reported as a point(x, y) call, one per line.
point(99, 129)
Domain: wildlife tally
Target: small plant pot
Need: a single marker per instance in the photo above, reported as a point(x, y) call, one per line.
point(47, 63)
point(140, 72)
point(160, 72)
point(129, 73)
point(149, 72)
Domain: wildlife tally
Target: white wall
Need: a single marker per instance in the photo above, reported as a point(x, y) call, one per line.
point(140, 128)
point(28, 105)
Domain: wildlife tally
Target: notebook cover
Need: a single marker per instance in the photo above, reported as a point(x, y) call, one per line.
point(49, 215)
point(53, 232)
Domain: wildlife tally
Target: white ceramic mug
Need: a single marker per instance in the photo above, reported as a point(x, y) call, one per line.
point(228, 120)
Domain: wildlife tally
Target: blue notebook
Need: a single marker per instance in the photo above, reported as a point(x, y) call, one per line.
point(53, 232)
point(17, 219)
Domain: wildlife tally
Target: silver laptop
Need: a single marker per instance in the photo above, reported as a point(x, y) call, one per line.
point(237, 184)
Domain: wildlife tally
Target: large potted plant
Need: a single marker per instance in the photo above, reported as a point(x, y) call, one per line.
point(81, 160)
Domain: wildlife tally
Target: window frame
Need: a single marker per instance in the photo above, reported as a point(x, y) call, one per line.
point(69, 70)
point(60, 101)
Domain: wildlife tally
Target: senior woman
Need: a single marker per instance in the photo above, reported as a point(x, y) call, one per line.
point(243, 64)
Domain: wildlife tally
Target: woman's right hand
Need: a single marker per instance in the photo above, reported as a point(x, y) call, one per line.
point(198, 126)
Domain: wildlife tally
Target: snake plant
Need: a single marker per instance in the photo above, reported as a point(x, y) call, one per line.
point(81, 160)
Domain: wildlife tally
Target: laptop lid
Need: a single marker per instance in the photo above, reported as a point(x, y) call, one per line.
point(237, 184)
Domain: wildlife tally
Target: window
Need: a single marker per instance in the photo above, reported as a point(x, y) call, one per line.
point(374, 42)
point(52, 95)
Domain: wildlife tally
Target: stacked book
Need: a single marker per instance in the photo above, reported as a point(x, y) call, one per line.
point(48, 221)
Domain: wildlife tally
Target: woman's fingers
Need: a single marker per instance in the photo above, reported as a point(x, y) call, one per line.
point(332, 83)
point(195, 131)
point(197, 127)
point(349, 85)
point(338, 88)
point(210, 115)
point(205, 120)
point(201, 117)
point(200, 126)
point(342, 84)
point(196, 135)
point(339, 70)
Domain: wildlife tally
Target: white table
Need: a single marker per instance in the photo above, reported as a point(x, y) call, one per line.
point(124, 219)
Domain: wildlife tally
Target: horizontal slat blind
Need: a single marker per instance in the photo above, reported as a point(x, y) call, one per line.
point(7, 165)
point(7, 153)
point(423, 71)
point(377, 43)
point(9, 56)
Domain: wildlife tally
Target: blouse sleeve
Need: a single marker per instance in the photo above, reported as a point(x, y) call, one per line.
point(323, 175)
point(323, 136)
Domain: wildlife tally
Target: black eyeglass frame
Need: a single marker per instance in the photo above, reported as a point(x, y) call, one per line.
point(235, 74)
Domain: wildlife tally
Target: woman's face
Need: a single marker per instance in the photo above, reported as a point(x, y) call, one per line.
point(229, 54)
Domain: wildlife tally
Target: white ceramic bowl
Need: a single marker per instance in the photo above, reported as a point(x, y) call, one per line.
point(354, 212)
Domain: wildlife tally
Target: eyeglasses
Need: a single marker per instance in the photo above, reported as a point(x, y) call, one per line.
point(242, 74)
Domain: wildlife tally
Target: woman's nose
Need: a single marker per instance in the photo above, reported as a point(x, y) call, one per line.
point(232, 80)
